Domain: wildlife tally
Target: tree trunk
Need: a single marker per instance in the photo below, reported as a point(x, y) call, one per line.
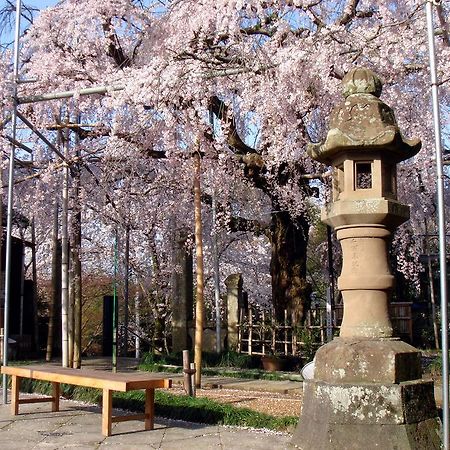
point(290, 290)
point(199, 306)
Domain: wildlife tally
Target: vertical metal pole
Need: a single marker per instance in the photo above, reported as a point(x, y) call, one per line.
point(11, 199)
point(114, 349)
point(441, 222)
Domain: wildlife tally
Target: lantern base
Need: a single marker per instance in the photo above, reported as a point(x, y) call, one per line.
point(354, 416)
point(348, 360)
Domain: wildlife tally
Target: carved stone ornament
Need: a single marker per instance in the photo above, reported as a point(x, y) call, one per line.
point(363, 122)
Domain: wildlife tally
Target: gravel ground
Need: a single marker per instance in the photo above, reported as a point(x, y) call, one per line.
point(278, 405)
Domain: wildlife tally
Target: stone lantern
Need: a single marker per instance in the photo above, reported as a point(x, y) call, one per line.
point(367, 390)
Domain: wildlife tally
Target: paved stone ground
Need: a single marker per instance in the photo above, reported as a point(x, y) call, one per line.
point(78, 426)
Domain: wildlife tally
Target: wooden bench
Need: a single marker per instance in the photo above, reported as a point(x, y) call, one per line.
point(107, 381)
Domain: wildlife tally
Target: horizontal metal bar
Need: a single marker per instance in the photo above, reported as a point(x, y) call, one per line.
point(68, 94)
point(30, 80)
point(24, 164)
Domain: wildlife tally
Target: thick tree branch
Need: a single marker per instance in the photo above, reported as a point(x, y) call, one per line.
point(349, 12)
point(444, 24)
point(115, 50)
point(237, 223)
point(147, 151)
point(220, 109)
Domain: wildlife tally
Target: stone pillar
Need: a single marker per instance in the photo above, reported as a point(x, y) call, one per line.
point(367, 391)
point(182, 293)
point(365, 282)
point(234, 303)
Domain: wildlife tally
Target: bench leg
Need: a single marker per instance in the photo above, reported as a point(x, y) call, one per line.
point(106, 412)
point(15, 389)
point(149, 409)
point(55, 396)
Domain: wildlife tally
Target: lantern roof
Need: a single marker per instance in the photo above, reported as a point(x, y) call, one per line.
point(363, 123)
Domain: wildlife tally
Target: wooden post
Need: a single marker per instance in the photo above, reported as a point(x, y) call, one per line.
point(193, 383)
point(199, 304)
point(55, 396)
point(149, 409)
point(294, 341)
point(187, 373)
point(106, 412)
point(15, 389)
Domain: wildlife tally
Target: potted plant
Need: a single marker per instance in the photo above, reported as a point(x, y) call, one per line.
point(273, 362)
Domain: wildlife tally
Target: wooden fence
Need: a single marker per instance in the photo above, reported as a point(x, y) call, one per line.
point(260, 334)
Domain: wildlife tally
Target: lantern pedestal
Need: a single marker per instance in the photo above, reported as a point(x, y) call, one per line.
point(355, 416)
point(368, 394)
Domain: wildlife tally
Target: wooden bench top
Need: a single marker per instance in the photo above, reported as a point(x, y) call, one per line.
point(101, 379)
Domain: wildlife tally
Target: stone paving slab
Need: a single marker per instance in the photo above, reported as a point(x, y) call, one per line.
point(78, 426)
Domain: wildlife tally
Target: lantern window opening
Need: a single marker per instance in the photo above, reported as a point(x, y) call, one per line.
point(363, 175)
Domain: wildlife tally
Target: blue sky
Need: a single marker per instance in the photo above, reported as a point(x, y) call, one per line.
point(6, 33)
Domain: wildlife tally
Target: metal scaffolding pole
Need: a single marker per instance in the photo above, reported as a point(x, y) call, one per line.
point(68, 94)
point(441, 220)
point(11, 199)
